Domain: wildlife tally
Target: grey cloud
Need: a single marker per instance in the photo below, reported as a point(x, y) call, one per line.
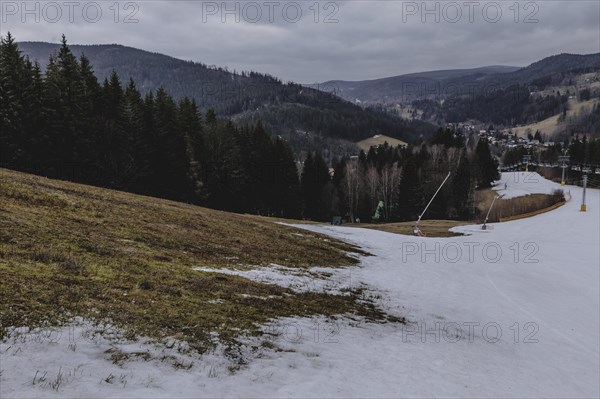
point(370, 40)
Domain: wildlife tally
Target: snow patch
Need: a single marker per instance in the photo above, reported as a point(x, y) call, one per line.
point(518, 184)
point(334, 281)
point(519, 319)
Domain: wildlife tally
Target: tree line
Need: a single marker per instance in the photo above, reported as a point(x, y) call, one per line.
point(64, 123)
point(285, 107)
point(581, 151)
point(389, 184)
point(585, 151)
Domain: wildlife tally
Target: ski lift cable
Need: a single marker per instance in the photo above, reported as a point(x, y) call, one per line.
point(431, 200)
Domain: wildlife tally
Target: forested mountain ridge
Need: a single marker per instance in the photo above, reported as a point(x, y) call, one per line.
point(506, 97)
point(560, 103)
point(64, 123)
point(453, 83)
point(560, 63)
point(247, 95)
point(405, 87)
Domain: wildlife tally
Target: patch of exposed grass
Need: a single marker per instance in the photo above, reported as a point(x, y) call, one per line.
point(432, 228)
point(71, 250)
point(504, 208)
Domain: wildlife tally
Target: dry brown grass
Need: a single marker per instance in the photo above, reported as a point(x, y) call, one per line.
point(505, 208)
point(131, 224)
point(483, 198)
point(431, 228)
point(551, 125)
point(72, 250)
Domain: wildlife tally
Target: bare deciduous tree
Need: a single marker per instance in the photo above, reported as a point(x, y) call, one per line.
point(390, 181)
point(353, 186)
point(373, 186)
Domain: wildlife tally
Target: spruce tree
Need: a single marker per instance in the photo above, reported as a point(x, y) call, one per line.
point(410, 196)
point(64, 93)
point(12, 80)
point(308, 186)
point(136, 142)
point(171, 179)
point(116, 166)
point(222, 166)
point(260, 168)
point(485, 165)
point(191, 128)
point(89, 122)
point(315, 176)
point(211, 116)
point(461, 185)
point(286, 193)
point(35, 123)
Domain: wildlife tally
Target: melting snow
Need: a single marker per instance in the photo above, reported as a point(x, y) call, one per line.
point(509, 312)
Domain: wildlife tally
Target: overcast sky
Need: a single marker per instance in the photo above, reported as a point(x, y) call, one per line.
point(312, 42)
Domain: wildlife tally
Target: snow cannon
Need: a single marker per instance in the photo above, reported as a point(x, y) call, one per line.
point(416, 230)
point(484, 226)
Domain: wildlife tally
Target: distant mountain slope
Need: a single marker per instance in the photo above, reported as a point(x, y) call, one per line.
point(404, 87)
point(555, 103)
point(443, 84)
point(548, 66)
point(248, 95)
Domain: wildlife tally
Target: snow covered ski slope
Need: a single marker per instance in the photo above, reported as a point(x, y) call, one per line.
point(532, 285)
point(517, 184)
point(508, 312)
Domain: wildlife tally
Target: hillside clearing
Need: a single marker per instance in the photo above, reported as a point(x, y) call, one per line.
point(490, 311)
point(432, 228)
point(522, 192)
point(366, 144)
point(551, 126)
point(68, 250)
point(488, 322)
